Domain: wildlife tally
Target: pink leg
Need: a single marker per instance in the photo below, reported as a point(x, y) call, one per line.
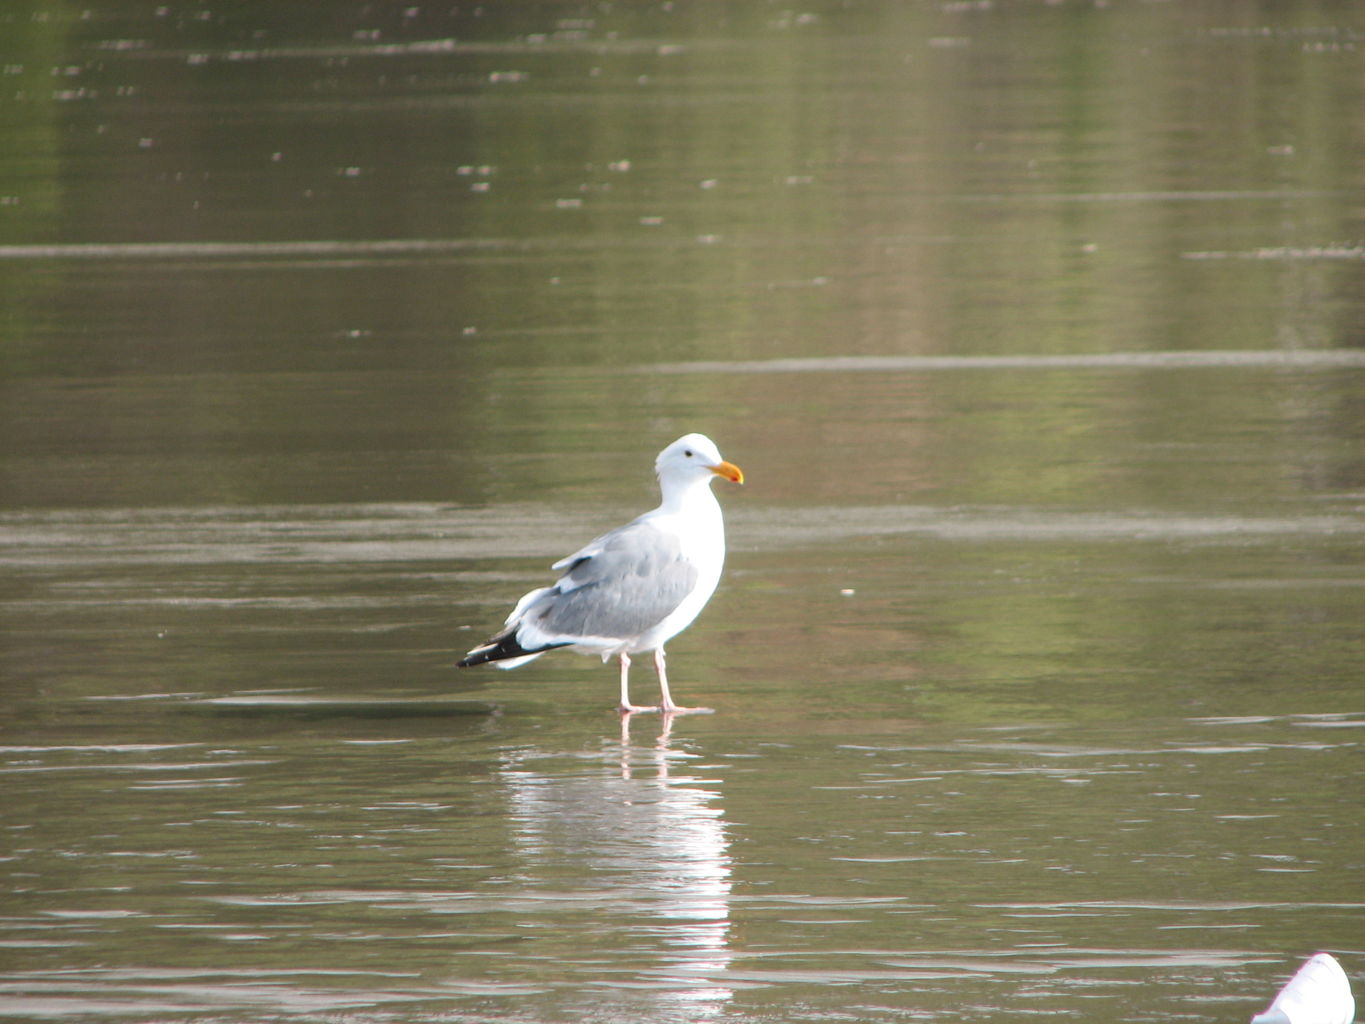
point(666, 704)
point(626, 707)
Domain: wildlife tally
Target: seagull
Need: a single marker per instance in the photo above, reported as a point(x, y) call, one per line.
point(1318, 994)
point(635, 588)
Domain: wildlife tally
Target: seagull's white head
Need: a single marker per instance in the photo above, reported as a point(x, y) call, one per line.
point(691, 458)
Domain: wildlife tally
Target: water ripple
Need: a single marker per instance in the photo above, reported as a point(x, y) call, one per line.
point(1278, 359)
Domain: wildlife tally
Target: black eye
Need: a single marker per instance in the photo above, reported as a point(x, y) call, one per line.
point(688, 452)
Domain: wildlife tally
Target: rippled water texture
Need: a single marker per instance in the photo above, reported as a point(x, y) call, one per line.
point(1037, 665)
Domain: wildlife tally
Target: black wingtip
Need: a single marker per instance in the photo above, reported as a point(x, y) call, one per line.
point(480, 655)
point(498, 648)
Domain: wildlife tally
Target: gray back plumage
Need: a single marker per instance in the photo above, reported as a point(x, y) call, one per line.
point(621, 585)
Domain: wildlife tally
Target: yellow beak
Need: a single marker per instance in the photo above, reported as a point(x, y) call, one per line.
point(730, 471)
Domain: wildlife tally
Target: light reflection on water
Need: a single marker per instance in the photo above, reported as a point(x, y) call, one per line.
point(655, 843)
point(610, 877)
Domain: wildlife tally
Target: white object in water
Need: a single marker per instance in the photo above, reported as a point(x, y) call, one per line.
point(1318, 994)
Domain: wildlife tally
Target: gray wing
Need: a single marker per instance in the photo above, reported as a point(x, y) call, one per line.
point(621, 585)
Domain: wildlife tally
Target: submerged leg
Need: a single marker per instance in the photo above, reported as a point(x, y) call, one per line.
point(666, 704)
point(626, 707)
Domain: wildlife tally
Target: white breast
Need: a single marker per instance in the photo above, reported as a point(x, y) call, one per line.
point(701, 528)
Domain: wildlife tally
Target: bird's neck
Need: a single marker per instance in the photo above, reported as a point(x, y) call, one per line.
point(693, 498)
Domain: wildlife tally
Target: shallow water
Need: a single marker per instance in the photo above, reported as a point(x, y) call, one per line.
point(1037, 664)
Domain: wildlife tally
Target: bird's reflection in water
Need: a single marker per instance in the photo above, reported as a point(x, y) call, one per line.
point(657, 757)
point(640, 842)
